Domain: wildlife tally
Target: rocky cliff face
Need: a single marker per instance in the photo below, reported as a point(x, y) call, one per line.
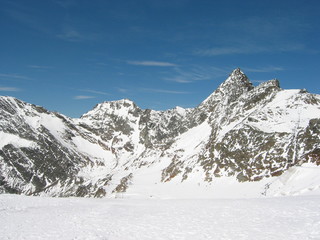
point(240, 131)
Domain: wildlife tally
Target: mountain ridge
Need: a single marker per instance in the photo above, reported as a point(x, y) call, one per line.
point(242, 133)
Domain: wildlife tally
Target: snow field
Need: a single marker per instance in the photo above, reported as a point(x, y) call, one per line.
point(7, 138)
point(80, 218)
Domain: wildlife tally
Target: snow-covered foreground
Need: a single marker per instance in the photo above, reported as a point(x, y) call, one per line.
point(75, 218)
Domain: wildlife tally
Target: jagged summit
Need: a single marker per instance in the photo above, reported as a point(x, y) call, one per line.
point(117, 107)
point(237, 74)
point(236, 84)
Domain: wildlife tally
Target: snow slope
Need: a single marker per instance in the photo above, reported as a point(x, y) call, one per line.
point(299, 180)
point(34, 218)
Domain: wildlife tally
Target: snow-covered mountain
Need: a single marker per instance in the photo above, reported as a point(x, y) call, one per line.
point(240, 141)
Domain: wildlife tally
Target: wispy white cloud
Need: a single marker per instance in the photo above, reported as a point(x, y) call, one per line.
point(152, 63)
point(123, 90)
point(163, 91)
point(14, 76)
point(71, 35)
point(9, 89)
point(82, 97)
point(94, 91)
point(196, 73)
point(264, 69)
point(40, 67)
point(248, 49)
point(225, 51)
point(180, 78)
point(102, 64)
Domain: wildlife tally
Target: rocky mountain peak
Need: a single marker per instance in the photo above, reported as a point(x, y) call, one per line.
point(121, 107)
point(237, 73)
point(230, 90)
point(236, 83)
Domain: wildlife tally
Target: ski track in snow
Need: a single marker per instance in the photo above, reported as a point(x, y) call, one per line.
point(24, 217)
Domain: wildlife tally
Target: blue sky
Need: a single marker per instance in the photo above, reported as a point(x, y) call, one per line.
point(69, 55)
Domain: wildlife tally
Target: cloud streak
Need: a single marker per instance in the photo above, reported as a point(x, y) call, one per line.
point(40, 67)
point(9, 89)
point(196, 73)
point(94, 91)
point(14, 76)
point(152, 63)
point(247, 49)
point(225, 51)
point(155, 90)
point(72, 35)
point(264, 69)
point(82, 97)
point(122, 90)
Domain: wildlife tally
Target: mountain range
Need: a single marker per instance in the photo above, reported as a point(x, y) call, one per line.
point(243, 140)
